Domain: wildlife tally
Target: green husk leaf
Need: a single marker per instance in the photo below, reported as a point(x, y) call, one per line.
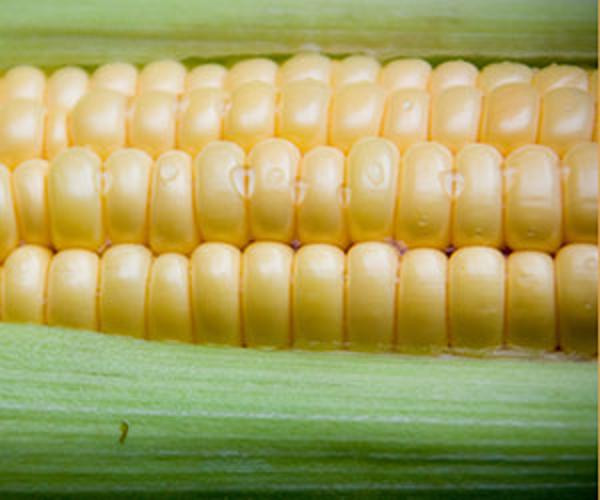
point(248, 423)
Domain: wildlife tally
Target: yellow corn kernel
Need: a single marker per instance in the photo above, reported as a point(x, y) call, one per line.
point(251, 70)
point(405, 74)
point(206, 76)
point(24, 284)
point(21, 131)
point(9, 237)
point(1, 288)
point(303, 113)
point(124, 273)
point(23, 82)
point(559, 75)
point(421, 301)
point(166, 76)
point(577, 298)
point(372, 180)
point(504, 73)
point(455, 116)
point(452, 74)
point(305, 67)
point(98, 121)
point(201, 119)
point(532, 200)
point(593, 84)
point(567, 118)
point(65, 87)
point(266, 287)
point(530, 301)
point(152, 122)
point(215, 280)
point(219, 193)
point(273, 166)
point(56, 132)
point(371, 296)
point(477, 204)
point(355, 69)
point(172, 224)
point(169, 303)
point(75, 200)
point(251, 115)
point(356, 112)
point(510, 117)
point(424, 200)
point(320, 211)
point(127, 174)
point(31, 201)
point(406, 117)
point(118, 77)
point(476, 298)
point(580, 193)
point(72, 289)
point(318, 297)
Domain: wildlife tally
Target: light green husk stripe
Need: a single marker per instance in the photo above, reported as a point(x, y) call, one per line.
point(91, 32)
point(256, 423)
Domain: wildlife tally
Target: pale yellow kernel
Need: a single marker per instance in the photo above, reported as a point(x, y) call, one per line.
point(201, 119)
point(169, 301)
point(273, 165)
point(23, 82)
point(372, 179)
point(124, 274)
point(56, 132)
point(219, 193)
point(152, 122)
point(477, 197)
point(266, 293)
point(370, 296)
point(405, 74)
point(98, 121)
point(24, 284)
point(31, 201)
point(532, 200)
point(510, 117)
point(558, 76)
point(455, 116)
point(21, 131)
point(424, 200)
point(305, 67)
point(355, 69)
point(476, 298)
point(251, 114)
point(318, 297)
point(580, 193)
point(127, 174)
point(165, 76)
point(530, 297)
point(9, 237)
point(118, 77)
point(406, 117)
point(452, 74)
point(567, 118)
point(72, 290)
point(215, 280)
point(320, 208)
point(172, 221)
point(421, 302)
point(577, 298)
point(206, 76)
point(75, 200)
point(251, 70)
point(303, 113)
point(498, 74)
point(65, 87)
point(357, 112)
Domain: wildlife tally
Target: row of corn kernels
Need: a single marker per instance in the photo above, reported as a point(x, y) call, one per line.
point(426, 198)
point(506, 105)
point(318, 297)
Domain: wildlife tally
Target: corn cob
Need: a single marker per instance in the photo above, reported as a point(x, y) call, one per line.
point(309, 100)
point(269, 296)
